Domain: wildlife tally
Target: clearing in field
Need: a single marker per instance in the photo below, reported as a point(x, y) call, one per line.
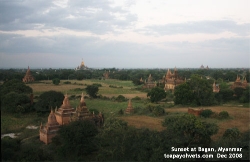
point(144, 122)
point(126, 88)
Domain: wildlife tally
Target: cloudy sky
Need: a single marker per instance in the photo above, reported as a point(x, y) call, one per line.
point(124, 33)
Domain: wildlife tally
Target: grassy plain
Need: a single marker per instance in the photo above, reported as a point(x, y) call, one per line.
point(128, 89)
point(239, 116)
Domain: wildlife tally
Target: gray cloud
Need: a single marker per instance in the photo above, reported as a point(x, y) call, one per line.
point(211, 27)
point(92, 15)
point(231, 52)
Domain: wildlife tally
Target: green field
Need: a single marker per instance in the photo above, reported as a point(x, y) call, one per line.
point(77, 87)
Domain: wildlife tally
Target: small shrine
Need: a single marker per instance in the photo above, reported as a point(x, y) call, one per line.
point(195, 112)
point(106, 74)
point(49, 131)
point(28, 77)
point(129, 109)
point(81, 112)
point(64, 112)
point(149, 83)
point(240, 83)
point(216, 88)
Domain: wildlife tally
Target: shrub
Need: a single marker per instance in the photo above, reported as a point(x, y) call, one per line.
point(67, 82)
point(94, 110)
point(120, 112)
point(141, 110)
point(92, 90)
point(232, 133)
point(223, 115)
point(104, 97)
point(206, 113)
point(56, 81)
point(72, 97)
point(15, 103)
point(158, 111)
point(97, 84)
point(120, 98)
point(79, 89)
point(156, 94)
point(47, 100)
point(136, 98)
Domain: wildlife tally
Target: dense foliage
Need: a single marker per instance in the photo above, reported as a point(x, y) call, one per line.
point(76, 140)
point(223, 115)
point(206, 113)
point(228, 75)
point(156, 94)
point(48, 100)
point(15, 96)
point(197, 91)
point(92, 90)
point(192, 130)
point(56, 81)
point(183, 94)
point(10, 148)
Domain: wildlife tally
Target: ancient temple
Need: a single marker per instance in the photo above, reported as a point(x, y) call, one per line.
point(129, 109)
point(195, 112)
point(82, 66)
point(216, 88)
point(28, 77)
point(49, 131)
point(141, 81)
point(64, 112)
point(149, 83)
point(81, 112)
point(106, 74)
point(240, 83)
point(172, 80)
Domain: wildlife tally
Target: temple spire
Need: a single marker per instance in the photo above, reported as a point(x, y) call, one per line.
point(82, 99)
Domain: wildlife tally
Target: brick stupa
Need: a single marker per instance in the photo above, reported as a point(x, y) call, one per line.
point(82, 112)
point(28, 77)
point(49, 131)
point(64, 112)
point(129, 109)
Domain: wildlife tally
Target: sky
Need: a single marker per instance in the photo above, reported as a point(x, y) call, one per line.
point(124, 33)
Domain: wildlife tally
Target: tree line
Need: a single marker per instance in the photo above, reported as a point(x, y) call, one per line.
point(226, 75)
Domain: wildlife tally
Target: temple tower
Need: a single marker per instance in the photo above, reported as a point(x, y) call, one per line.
point(149, 83)
point(172, 80)
point(28, 77)
point(238, 83)
point(82, 112)
point(63, 114)
point(49, 131)
point(129, 109)
point(216, 88)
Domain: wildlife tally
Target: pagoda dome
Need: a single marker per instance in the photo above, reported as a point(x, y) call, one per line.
point(52, 119)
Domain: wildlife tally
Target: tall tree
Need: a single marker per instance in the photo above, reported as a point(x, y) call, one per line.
point(156, 94)
point(183, 94)
point(76, 140)
point(49, 99)
point(16, 88)
point(92, 90)
point(190, 129)
point(202, 90)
